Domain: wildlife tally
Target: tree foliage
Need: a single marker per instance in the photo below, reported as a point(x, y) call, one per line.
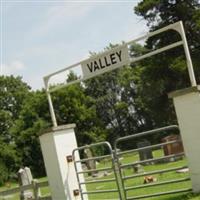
point(122, 102)
point(33, 118)
point(13, 92)
point(167, 71)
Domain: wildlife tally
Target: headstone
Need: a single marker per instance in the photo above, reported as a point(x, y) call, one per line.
point(90, 164)
point(138, 168)
point(173, 148)
point(25, 178)
point(146, 153)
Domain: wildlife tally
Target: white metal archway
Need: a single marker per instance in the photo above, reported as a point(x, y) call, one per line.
point(115, 58)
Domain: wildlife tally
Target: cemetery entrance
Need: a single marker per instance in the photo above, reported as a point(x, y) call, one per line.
point(136, 168)
point(146, 165)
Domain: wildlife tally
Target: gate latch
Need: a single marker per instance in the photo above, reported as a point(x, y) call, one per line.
point(69, 158)
point(76, 192)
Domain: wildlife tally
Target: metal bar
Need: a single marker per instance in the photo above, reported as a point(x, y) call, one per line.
point(107, 144)
point(98, 181)
point(158, 183)
point(166, 128)
point(93, 145)
point(161, 193)
point(52, 112)
point(77, 176)
point(148, 35)
point(79, 63)
point(93, 158)
point(100, 191)
point(151, 34)
point(60, 86)
point(132, 60)
point(154, 172)
point(151, 160)
point(95, 170)
point(61, 70)
point(157, 51)
point(134, 136)
point(148, 147)
point(188, 57)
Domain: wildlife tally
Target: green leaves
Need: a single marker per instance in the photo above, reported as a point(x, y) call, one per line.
point(122, 102)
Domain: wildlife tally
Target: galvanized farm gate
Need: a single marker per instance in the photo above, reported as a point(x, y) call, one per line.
point(112, 168)
point(126, 180)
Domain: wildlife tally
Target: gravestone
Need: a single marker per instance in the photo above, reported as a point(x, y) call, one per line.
point(146, 153)
point(173, 148)
point(25, 178)
point(90, 164)
point(138, 169)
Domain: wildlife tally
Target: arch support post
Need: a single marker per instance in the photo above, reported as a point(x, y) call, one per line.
point(57, 144)
point(187, 107)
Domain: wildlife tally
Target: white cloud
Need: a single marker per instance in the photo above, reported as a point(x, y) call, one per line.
point(14, 67)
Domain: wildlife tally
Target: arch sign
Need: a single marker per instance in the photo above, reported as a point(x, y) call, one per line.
point(115, 58)
point(105, 62)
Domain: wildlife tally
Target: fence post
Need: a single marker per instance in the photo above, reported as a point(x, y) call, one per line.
point(36, 191)
point(24, 178)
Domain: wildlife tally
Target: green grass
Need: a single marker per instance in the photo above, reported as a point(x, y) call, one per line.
point(131, 158)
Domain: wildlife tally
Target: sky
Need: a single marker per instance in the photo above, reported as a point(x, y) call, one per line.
point(41, 37)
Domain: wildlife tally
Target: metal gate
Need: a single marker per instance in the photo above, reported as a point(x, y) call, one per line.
point(150, 173)
point(129, 171)
point(108, 170)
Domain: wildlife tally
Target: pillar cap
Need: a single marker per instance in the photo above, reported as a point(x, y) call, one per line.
point(184, 91)
point(58, 128)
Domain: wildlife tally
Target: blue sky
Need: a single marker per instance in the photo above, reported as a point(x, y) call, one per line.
point(41, 37)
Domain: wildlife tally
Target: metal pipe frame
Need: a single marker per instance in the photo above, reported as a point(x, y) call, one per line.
point(178, 27)
point(152, 160)
point(106, 144)
point(98, 181)
point(122, 166)
point(166, 128)
point(161, 194)
point(94, 158)
point(148, 147)
point(158, 184)
point(94, 170)
point(162, 171)
point(101, 191)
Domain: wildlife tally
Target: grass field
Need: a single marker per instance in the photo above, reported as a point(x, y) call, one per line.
point(131, 158)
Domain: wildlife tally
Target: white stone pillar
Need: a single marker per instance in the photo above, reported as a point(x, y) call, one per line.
point(58, 143)
point(187, 106)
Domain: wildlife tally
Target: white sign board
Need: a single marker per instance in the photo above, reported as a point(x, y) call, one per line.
point(105, 62)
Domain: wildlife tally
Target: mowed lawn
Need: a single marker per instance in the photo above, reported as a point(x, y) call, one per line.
point(131, 158)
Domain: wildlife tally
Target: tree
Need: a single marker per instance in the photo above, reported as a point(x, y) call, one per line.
point(167, 71)
point(162, 13)
point(33, 118)
point(114, 96)
point(13, 94)
point(72, 105)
